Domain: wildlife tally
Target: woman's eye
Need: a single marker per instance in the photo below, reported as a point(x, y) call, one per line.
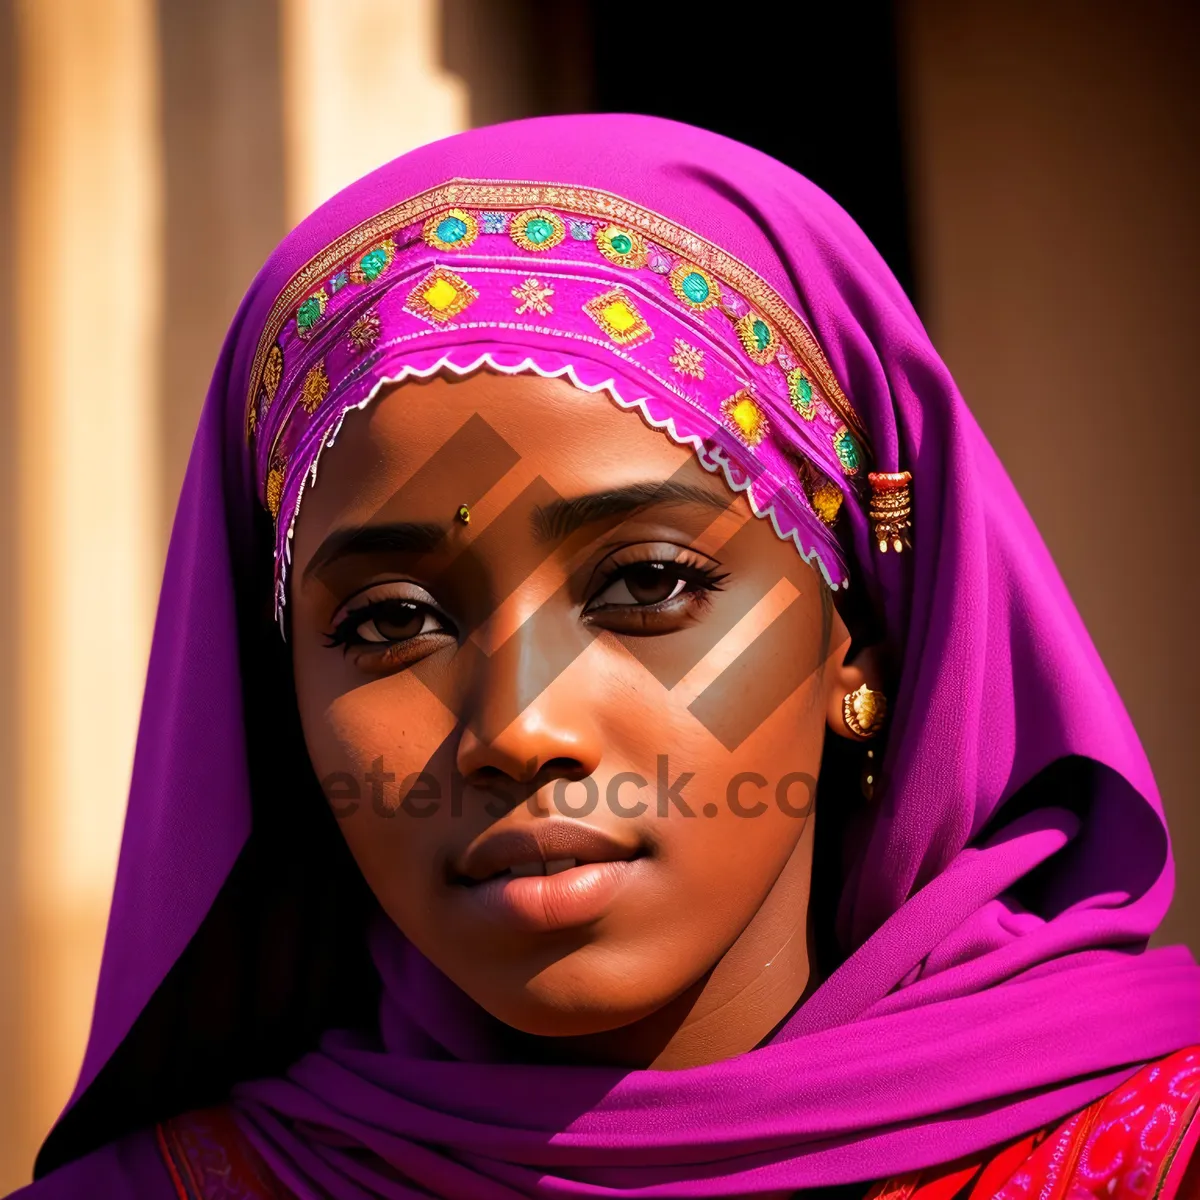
point(386, 622)
point(655, 589)
point(643, 584)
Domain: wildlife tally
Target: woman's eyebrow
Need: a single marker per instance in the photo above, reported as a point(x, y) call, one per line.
point(399, 537)
point(559, 518)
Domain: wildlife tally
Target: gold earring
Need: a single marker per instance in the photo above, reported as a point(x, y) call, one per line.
point(891, 509)
point(464, 514)
point(864, 712)
point(866, 781)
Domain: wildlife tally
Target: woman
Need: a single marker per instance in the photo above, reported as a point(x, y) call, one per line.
point(615, 494)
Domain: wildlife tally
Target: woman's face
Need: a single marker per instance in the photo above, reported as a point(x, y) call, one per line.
point(572, 740)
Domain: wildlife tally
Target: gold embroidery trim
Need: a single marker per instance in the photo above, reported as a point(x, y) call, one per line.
point(580, 201)
point(1186, 1124)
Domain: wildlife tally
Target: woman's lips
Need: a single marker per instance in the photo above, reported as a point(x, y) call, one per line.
point(568, 897)
point(546, 874)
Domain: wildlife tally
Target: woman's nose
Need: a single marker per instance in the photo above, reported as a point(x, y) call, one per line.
point(528, 710)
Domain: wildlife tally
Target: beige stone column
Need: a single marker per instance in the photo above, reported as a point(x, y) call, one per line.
point(87, 281)
point(222, 149)
point(362, 82)
point(10, 930)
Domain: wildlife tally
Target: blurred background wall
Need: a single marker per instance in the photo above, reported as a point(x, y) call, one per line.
point(1030, 172)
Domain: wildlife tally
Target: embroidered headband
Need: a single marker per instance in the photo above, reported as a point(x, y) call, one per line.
point(558, 281)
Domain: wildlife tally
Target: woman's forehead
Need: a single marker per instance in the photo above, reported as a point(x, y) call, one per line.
point(424, 438)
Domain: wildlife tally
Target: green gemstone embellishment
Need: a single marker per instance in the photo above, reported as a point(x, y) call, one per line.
point(695, 287)
point(539, 230)
point(800, 391)
point(309, 313)
point(621, 243)
point(373, 263)
point(847, 451)
point(762, 334)
point(452, 230)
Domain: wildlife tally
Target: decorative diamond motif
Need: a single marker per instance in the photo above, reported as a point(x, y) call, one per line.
point(440, 296)
point(534, 297)
point(617, 315)
point(687, 360)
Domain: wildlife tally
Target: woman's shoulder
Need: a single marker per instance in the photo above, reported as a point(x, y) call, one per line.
point(1139, 1142)
point(200, 1155)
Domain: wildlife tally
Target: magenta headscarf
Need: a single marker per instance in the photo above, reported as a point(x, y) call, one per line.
point(994, 910)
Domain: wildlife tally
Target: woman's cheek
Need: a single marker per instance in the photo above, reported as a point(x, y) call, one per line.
point(381, 733)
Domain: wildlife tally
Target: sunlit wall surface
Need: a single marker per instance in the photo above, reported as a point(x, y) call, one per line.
point(109, 239)
point(153, 152)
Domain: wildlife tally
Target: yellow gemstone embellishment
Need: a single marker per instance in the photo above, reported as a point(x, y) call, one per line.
point(315, 387)
point(616, 314)
point(440, 296)
point(827, 501)
point(744, 416)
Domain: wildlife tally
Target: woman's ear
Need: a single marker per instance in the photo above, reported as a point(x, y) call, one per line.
point(847, 668)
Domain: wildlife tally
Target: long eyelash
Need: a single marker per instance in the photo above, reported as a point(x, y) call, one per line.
point(707, 575)
point(344, 634)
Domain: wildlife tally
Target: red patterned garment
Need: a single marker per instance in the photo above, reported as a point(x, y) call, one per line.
point(208, 1159)
point(1136, 1143)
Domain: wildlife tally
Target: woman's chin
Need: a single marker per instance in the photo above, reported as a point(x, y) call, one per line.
point(568, 1000)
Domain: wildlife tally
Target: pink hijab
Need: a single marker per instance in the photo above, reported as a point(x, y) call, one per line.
point(994, 911)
